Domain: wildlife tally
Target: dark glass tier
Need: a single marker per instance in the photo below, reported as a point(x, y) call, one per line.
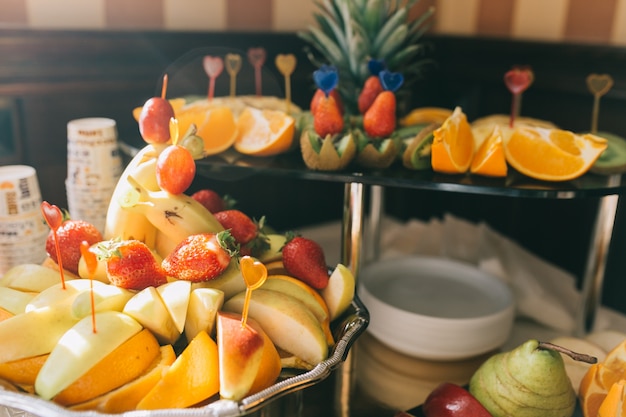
point(233, 166)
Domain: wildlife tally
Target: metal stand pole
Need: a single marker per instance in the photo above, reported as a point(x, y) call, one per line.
point(377, 209)
point(352, 237)
point(593, 278)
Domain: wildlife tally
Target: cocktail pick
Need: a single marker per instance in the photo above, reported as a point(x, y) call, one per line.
point(286, 64)
point(256, 56)
point(91, 262)
point(326, 78)
point(254, 274)
point(54, 217)
point(233, 65)
point(517, 80)
point(598, 85)
point(391, 81)
point(213, 66)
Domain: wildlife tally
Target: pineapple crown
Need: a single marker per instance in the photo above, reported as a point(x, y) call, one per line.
point(351, 33)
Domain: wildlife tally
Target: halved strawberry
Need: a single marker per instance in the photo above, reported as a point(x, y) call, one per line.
point(70, 235)
point(200, 257)
point(131, 264)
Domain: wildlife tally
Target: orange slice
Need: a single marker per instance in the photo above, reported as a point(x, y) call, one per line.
point(552, 154)
point(22, 371)
point(489, 159)
point(453, 145)
point(192, 378)
point(126, 397)
point(614, 405)
point(264, 132)
point(216, 126)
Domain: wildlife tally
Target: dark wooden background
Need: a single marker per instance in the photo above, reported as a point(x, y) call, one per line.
point(50, 77)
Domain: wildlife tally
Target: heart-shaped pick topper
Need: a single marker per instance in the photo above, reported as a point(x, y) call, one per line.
point(326, 78)
point(286, 63)
point(375, 66)
point(599, 84)
point(391, 81)
point(257, 56)
point(213, 66)
point(233, 65)
point(254, 274)
point(518, 80)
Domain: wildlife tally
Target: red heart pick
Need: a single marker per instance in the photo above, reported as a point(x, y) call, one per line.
point(256, 56)
point(213, 66)
point(518, 80)
point(52, 214)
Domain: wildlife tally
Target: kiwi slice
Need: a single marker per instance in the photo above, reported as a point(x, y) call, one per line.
point(613, 159)
point(417, 154)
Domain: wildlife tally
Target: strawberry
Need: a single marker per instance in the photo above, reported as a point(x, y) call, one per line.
point(212, 200)
point(380, 119)
point(200, 257)
point(70, 234)
point(327, 119)
point(131, 264)
point(319, 93)
point(304, 259)
point(241, 227)
point(370, 91)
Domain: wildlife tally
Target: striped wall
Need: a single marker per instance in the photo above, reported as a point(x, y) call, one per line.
point(597, 21)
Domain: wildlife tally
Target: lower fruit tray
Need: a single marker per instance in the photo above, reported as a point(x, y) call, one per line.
point(346, 330)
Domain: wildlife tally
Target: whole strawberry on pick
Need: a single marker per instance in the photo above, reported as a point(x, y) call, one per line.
point(200, 257)
point(130, 264)
point(70, 235)
point(304, 259)
point(372, 87)
point(327, 118)
point(379, 121)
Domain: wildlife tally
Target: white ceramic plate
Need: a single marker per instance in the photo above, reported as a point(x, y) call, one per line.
point(436, 308)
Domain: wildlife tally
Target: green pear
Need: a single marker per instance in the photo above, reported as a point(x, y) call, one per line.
point(528, 381)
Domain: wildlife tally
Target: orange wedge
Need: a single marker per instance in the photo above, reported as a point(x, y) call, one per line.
point(216, 126)
point(552, 154)
point(264, 132)
point(126, 397)
point(489, 159)
point(121, 366)
point(4, 314)
point(453, 145)
point(613, 405)
point(591, 391)
point(192, 378)
point(22, 371)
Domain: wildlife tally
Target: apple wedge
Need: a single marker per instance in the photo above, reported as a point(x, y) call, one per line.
point(80, 348)
point(56, 294)
point(230, 281)
point(273, 253)
point(175, 296)
point(106, 298)
point(204, 303)
point(14, 301)
point(240, 350)
point(307, 296)
point(339, 292)
point(150, 311)
point(30, 278)
point(289, 324)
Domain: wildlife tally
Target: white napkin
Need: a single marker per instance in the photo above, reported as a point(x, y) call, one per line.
point(543, 292)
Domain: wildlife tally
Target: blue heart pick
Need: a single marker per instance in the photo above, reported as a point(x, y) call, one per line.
point(375, 66)
point(326, 78)
point(391, 81)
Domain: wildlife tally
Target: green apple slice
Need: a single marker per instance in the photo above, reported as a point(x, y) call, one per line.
point(14, 301)
point(230, 281)
point(30, 277)
point(150, 311)
point(204, 303)
point(339, 292)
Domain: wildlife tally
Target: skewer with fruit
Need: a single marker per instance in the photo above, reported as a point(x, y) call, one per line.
point(164, 317)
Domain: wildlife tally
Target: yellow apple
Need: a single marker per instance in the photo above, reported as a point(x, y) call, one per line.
point(289, 324)
point(148, 309)
point(339, 292)
point(175, 296)
point(230, 281)
point(286, 285)
point(276, 242)
point(106, 297)
point(204, 303)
